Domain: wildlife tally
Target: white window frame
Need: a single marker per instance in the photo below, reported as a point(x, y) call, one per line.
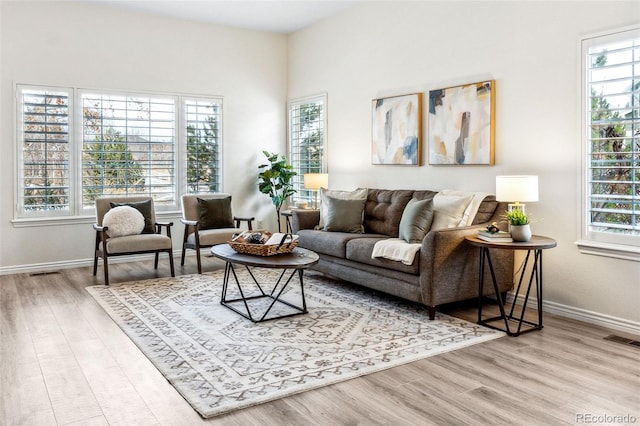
point(76, 212)
point(591, 241)
point(319, 98)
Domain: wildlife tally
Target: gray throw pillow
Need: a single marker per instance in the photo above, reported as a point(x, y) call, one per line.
point(215, 213)
point(344, 215)
point(416, 220)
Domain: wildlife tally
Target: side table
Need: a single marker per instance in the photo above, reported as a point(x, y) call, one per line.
point(287, 219)
point(536, 245)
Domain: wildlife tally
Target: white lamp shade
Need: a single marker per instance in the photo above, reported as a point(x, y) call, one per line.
point(517, 188)
point(316, 180)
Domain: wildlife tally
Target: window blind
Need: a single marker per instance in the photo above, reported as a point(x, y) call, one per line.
point(613, 111)
point(45, 150)
point(307, 141)
point(203, 118)
point(128, 147)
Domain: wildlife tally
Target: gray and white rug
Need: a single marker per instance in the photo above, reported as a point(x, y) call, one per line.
point(220, 361)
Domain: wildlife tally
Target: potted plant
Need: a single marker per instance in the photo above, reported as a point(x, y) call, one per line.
point(519, 224)
point(275, 180)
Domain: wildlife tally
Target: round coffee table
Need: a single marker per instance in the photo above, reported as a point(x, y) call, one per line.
point(296, 261)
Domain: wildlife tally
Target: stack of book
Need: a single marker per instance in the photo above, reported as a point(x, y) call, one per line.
point(495, 237)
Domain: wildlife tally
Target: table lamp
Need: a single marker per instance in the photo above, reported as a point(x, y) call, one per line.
point(315, 181)
point(517, 189)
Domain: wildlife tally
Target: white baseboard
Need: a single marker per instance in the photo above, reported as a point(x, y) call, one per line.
point(584, 315)
point(54, 266)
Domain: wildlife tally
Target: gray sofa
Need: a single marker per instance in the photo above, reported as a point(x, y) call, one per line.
point(444, 270)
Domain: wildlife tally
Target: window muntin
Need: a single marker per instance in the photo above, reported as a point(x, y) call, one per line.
point(76, 145)
point(612, 138)
point(307, 141)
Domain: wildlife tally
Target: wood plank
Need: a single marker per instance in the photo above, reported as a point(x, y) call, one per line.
point(61, 354)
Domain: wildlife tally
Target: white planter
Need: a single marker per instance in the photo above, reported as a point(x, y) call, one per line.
point(521, 232)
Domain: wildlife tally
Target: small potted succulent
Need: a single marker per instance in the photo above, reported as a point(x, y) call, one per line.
point(518, 224)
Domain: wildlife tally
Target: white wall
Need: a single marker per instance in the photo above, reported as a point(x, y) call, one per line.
point(374, 49)
point(90, 45)
point(377, 49)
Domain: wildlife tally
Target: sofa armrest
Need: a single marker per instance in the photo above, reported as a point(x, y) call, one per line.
point(304, 219)
point(449, 266)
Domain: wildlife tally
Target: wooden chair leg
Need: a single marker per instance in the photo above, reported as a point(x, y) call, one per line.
point(198, 260)
point(173, 271)
point(105, 266)
point(184, 249)
point(95, 264)
point(155, 264)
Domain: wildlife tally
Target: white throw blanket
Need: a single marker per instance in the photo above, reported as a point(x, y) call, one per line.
point(395, 249)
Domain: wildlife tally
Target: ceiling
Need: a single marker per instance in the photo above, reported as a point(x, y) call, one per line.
point(266, 15)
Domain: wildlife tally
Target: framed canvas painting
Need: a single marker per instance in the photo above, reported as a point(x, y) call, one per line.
point(461, 124)
point(396, 131)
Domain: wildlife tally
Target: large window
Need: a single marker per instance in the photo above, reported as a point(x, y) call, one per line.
point(161, 145)
point(611, 199)
point(307, 141)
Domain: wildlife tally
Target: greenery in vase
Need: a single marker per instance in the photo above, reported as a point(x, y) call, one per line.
point(276, 180)
point(516, 217)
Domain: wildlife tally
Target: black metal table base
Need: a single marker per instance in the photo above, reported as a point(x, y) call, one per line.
point(515, 319)
point(274, 295)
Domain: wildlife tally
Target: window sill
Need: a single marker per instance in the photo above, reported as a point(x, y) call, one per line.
point(617, 251)
point(76, 220)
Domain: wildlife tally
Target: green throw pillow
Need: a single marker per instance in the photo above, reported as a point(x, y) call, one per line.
point(215, 213)
point(416, 220)
point(143, 207)
point(344, 215)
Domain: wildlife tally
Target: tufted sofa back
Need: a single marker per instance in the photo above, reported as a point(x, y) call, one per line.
point(383, 209)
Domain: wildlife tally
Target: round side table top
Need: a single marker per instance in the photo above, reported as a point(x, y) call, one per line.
point(537, 242)
point(299, 258)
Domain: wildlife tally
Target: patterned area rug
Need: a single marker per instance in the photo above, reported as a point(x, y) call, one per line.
point(220, 361)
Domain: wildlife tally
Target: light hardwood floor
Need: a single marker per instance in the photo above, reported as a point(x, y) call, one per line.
point(64, 362)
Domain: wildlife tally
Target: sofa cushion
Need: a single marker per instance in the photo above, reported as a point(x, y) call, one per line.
point(383, 211)
point(343, 215)
point(212, 237)
point(416, 220)
point(360, 249)
point(332, 243)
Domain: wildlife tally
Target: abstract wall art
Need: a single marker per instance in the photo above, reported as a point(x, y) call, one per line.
point(396, 134)
point(461, 124)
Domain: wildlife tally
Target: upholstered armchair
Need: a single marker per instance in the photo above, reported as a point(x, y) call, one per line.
point(208, 220)
point(127, 226)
